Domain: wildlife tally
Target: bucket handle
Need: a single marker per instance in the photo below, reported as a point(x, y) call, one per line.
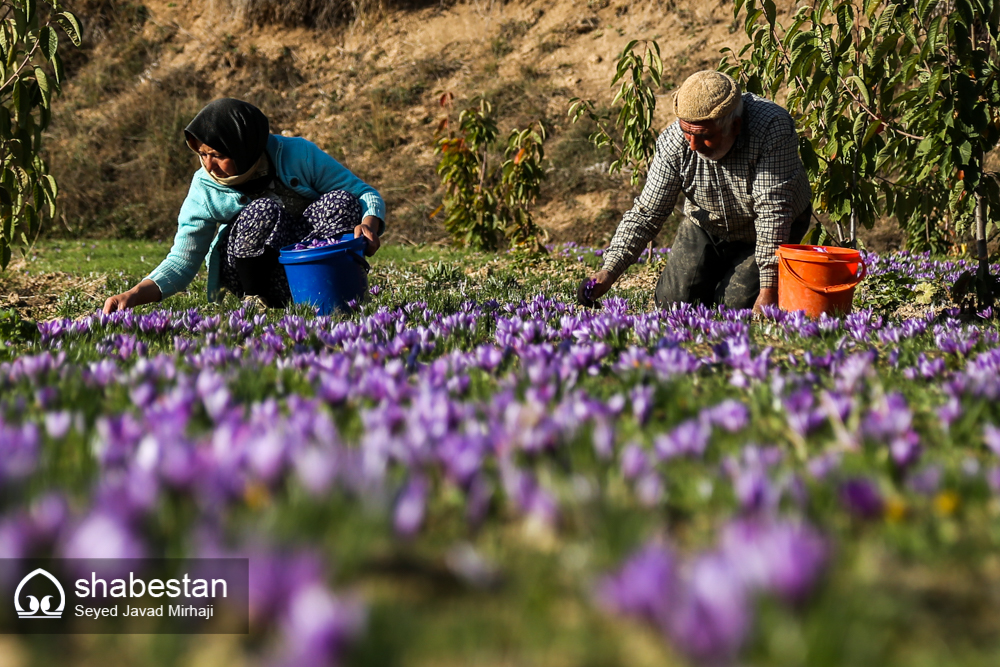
point(831, 289)
point(353, 254)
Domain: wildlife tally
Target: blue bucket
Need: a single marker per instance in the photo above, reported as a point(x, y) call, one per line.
point(328, 277)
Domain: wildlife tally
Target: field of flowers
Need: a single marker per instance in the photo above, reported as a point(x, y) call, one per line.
point(472, 470)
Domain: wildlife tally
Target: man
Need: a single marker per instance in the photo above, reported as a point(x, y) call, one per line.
point(735, 158)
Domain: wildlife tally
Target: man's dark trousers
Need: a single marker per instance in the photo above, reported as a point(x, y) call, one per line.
point(702, 268)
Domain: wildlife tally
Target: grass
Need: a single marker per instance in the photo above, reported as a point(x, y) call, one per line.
point(107, 256)
point(403, 270)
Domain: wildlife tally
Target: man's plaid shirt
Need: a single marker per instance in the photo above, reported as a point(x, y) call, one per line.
point(751, 195)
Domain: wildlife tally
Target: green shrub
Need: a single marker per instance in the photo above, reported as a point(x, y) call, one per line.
point(488, 198)
point(32, 71)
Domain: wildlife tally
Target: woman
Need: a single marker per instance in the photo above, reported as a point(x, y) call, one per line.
point(256, 193)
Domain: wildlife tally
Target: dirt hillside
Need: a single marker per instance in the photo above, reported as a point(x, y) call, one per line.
point(365, 90)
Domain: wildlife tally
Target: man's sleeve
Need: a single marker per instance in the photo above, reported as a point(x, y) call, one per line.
point(780, 193)
point(641, 223)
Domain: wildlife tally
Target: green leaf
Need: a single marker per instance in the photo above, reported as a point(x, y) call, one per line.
point(860, 121)
point(657, 61)
point(52, 191)
point(44, 86)
point(71, 26)
point(770, 12)
point(885, 19)
point(935, 83)
point(862, 88)
point(21, 99)
point(22, 179)
point(808, 153)
point(57, 69)
point(48, 41)
point(20, 24)
point(906, 25)
point(964, 153)
point(870, 133)
point(925, 8)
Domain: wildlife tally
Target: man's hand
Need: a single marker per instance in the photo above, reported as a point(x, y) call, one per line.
point(593, 288)
point(369, 229)
point(768, 297)
point(143, 293)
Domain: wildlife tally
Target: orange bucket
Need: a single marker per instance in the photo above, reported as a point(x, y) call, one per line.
point(818, 279)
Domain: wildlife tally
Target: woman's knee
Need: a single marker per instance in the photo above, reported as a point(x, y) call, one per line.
point(259, 212)
point(262, 207)
point(338, 205)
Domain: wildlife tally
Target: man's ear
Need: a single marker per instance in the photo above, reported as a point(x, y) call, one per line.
point(737, 125)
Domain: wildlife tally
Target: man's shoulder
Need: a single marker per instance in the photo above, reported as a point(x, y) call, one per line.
point(672, 138)
point(760, 113)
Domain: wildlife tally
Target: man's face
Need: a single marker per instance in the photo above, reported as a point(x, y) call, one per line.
point(708, 140)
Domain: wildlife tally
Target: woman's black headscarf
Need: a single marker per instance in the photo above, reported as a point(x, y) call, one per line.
point(235, 128)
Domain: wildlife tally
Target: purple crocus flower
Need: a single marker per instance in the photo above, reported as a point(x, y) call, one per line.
point(642, 402)
point(754, 490)
point(603, 438)
point(905, 449)
point(523, 489)
point(19, 448)
point(317, 467)
point(645, 586)
point(635, 460)
point(729, 415)
point(649, 489)
point(16, 535)
point(993, 479)
point(821, 466)
point(712, 618)
point(781, 557)
point(949, 412)
point(802, 417)
point(991, 437)
point(889, 419)
point(57, 424)
point(318, 627)
point(926, 481)
point(411, 506)
point(689, 438)
point(103, 535)
point(861, 497)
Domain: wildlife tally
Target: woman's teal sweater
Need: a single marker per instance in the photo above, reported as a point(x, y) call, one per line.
point(209, 209)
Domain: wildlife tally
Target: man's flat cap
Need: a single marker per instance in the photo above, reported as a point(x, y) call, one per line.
point(706, 95)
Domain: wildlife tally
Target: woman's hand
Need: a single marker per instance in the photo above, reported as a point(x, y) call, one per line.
point(369, 229)
point(143, 293)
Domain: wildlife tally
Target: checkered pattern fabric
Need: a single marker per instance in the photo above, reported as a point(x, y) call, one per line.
point(751, 195)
